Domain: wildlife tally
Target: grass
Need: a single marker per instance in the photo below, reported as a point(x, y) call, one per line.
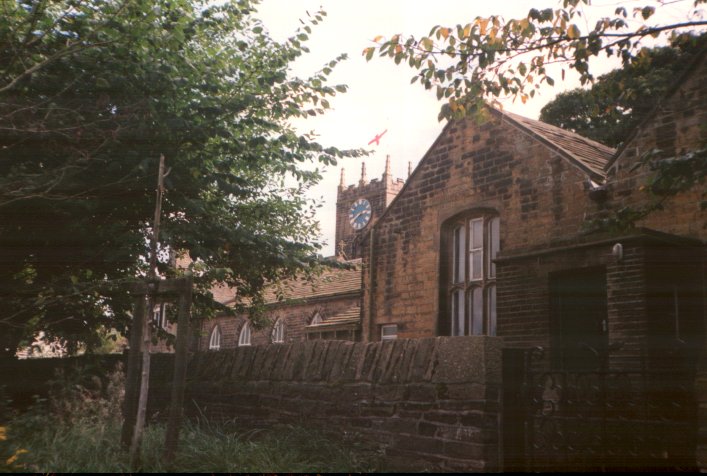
point(90, 446)
point(78, 430)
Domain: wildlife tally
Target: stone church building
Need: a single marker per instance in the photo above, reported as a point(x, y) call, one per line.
point(494, 233)
point(515, 229)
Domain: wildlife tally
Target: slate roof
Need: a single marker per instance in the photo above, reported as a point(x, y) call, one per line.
point(351, 315)
point(590, 156)
point(331, 282)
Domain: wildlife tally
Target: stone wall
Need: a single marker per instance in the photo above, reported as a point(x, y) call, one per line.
point(493, 168)
point(677, 126)
point(433, 403)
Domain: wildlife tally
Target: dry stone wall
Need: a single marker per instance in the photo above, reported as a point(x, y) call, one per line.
point(433, 403)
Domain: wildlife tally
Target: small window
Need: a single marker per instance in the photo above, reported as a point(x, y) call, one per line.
point(316, 319)
point(159, 316)
point(278, 332)
point(389, 332)
point(215, 339)
point(244, 337)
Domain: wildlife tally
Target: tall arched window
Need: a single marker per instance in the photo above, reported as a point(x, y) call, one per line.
point(244, 337)
point(278, 332)
point(215, 339)
point(468, 275)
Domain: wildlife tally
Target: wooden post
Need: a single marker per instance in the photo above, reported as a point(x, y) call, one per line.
point(132, 379)
point(144, 386)
point(180, 371)
point(152, 288)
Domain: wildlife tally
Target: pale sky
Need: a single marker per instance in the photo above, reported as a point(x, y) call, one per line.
point(380, 95)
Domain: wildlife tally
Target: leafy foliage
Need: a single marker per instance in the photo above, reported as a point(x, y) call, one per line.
point(92, 92)
point(474, 64)
point(620, 100)
point(491, 56)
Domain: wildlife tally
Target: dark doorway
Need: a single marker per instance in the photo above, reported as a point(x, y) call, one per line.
point(579, 319)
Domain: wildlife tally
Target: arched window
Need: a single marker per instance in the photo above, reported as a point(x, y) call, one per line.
point(278, 332)
point(244, 337)
point(159, 316)
point(316, 319)
point(468, 277)
point(215, 339)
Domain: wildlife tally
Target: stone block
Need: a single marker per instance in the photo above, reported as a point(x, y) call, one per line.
point(357, 356)
point(339, 354)
point(419, 444)
point(467, 359)
point(400, 425)
point(438, 416)
point(421, 392)
point(463, 450)
point(393, 369)
point(368, 362)
point(425, 428)
point(390, 392)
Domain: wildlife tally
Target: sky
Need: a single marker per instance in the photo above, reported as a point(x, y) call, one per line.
point(380, 96)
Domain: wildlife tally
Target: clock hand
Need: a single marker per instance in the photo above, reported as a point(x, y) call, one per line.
point(359, 214)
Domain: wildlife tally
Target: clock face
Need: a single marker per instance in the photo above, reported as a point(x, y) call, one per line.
point(360, 213)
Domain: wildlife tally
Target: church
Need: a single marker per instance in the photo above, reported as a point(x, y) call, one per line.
point(496, 232)
point(560, 252)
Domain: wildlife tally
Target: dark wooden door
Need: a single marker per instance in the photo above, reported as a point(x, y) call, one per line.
point(579, 313)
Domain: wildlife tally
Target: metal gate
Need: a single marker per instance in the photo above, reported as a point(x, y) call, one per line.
point(643, 420)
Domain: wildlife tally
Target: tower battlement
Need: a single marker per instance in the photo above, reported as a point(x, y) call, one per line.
point(358, 206)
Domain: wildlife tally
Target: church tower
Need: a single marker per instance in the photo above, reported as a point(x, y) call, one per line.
point(359, 206)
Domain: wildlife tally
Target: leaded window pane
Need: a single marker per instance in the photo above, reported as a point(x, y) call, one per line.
point(477, 233)
point(278, 332)
point(458, 259)
point(458, 313)
point(494, 244)
point(215, 339)
point(244, 338)
point(477, 311)
point(476, 259)
point(492, 310)
point(476, 248)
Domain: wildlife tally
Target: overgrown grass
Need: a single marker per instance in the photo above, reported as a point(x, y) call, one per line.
point(78, 430)
point(90, 446)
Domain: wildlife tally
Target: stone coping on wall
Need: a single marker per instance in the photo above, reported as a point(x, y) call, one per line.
point(435, 359)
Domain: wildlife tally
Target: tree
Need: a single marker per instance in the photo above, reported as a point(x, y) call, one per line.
point(618, 101)
point(92, 92)
point(492, 57)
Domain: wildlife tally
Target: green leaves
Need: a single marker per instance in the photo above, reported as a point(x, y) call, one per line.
point(90, 108)
point(508, 57)
point(619, 100)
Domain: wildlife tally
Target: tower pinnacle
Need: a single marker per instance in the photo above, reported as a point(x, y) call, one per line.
point(386, 174)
